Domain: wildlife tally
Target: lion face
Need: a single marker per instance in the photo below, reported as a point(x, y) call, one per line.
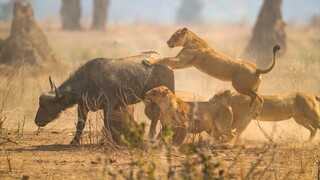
point(157, 94)
point(177, 38)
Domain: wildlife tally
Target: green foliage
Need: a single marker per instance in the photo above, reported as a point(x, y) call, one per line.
point(133, 134)
point(195, 158)
point(168, 134)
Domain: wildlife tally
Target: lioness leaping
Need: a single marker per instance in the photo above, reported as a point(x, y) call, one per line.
point(191, 117)
point(303, 108)
point(245, 77)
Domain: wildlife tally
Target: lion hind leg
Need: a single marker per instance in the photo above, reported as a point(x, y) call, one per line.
point(312, 133)
point(240, 129)
point(256, 102)
point(305, 123)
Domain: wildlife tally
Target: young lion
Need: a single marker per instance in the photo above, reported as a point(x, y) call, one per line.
point(192, 117)
point(245, 77)
point(303, 108)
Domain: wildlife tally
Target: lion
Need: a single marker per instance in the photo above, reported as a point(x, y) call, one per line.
point(183, 95)
point(191, 117)
point(244, 76)
point(302, 107)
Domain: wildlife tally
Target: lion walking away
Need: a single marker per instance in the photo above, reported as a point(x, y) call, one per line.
point(244, 76)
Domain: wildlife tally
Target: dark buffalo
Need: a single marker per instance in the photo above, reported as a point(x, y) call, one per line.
point(108, 84)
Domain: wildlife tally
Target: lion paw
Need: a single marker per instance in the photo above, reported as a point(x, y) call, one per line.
point(146, 62)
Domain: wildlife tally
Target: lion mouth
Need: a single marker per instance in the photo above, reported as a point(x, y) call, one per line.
point(170, 45)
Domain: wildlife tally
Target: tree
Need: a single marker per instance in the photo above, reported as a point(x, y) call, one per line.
point(100, 14)
point(71, 14)
point(268, 31)
point(27, 43)
point(190, 12)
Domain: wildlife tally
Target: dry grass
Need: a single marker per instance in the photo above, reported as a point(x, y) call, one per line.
point(287, 157)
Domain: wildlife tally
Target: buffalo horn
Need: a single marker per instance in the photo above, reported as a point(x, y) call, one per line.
point(56, 90)
point(51, 83)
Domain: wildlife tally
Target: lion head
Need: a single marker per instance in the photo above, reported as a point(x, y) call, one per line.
point(157, 94)
point(177, 38)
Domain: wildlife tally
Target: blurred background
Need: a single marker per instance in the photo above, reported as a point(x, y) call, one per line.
point(295, 12)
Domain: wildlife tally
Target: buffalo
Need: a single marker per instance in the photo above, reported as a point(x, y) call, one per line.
point(107, 84)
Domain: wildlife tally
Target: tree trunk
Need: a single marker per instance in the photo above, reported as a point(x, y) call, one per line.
point(268, 31)
point(71, 14)
point(100, 14)
point(189, 12)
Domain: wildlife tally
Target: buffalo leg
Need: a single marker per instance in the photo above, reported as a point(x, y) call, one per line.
point(113, 121)
point(152, 111)
point(82, 118)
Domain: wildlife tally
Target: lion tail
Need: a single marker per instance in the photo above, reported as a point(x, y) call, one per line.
point(264, 71)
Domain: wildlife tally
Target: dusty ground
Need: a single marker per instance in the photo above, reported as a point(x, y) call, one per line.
point(47, 155)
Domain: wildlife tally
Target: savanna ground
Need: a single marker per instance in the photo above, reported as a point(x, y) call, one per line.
point(46, 154)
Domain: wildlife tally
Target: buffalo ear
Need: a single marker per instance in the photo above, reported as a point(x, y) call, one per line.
point(184, 30)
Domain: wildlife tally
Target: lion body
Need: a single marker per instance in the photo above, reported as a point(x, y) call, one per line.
point(245, 77)
point(191, 117)
point(302, 107)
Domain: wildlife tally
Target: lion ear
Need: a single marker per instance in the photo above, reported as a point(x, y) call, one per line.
point(165, 90)
point(184, 30)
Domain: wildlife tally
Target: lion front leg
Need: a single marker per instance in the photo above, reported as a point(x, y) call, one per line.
point(170, 61)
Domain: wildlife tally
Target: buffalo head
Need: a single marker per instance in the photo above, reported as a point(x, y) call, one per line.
point(50, 106)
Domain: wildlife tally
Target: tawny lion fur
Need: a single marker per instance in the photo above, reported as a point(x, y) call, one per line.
point(245, 77)
point(302, 107)
point(191, 117)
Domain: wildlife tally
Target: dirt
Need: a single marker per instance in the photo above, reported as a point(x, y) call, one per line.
point(47, 155)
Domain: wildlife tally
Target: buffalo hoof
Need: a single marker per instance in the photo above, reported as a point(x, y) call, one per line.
point(146, 63)
point(75, 142)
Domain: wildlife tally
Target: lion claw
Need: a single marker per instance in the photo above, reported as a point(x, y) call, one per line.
point(146, 62)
